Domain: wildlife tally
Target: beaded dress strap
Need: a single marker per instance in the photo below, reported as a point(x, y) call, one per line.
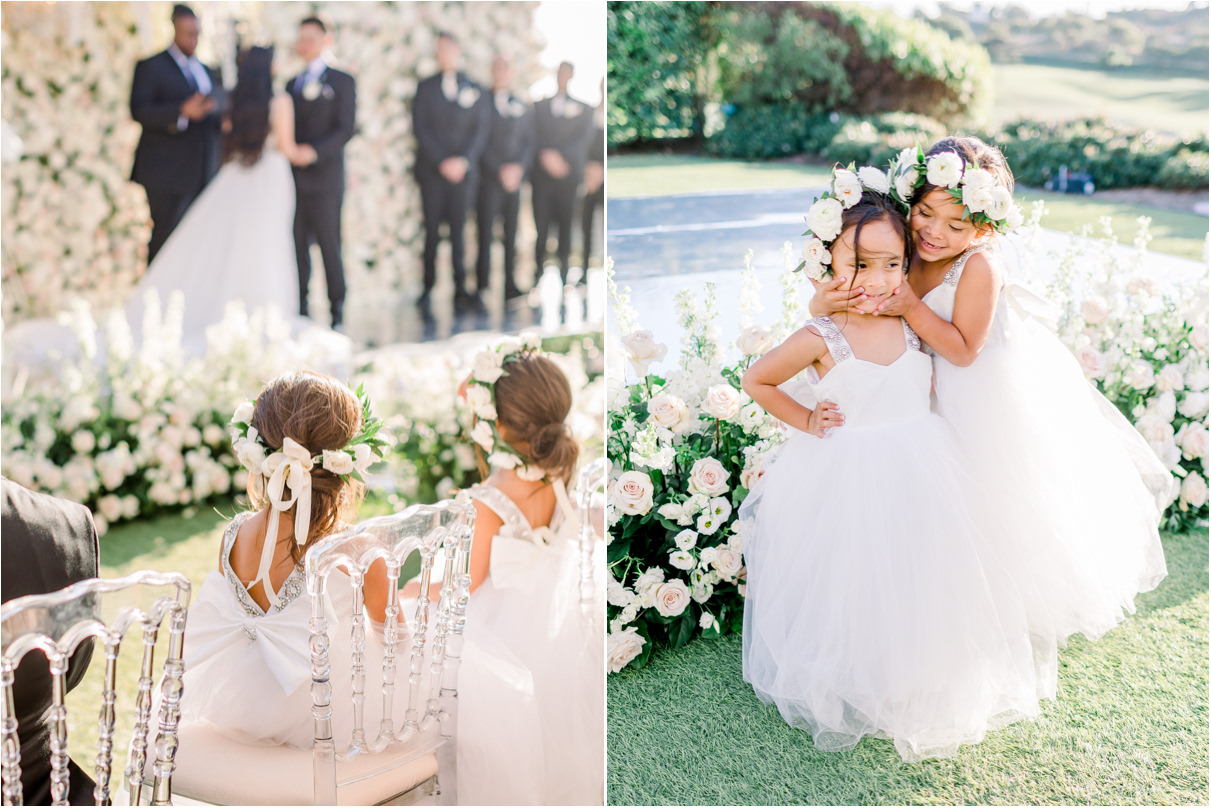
point(837, 346)
point(498, 501)
point(910, 336)
point(292, 587)
point(951, 278)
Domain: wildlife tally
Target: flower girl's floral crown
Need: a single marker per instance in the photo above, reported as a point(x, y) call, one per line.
point(290, 467)
point(824, 216)
point(489, 365)
point(984, 200)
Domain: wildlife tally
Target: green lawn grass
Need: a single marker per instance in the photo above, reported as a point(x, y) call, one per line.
point(1174, 232)
point(1129, 726)
point(1137, 98)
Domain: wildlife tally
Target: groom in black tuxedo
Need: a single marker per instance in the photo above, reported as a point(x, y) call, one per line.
point(450, 120)
point(178, 101)
point(564, 129)
point(49, 544)
point(325, 113)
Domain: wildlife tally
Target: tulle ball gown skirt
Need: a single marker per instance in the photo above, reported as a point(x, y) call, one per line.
point(876, 604)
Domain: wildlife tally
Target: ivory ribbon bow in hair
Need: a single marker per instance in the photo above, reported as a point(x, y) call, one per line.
point(289, 467)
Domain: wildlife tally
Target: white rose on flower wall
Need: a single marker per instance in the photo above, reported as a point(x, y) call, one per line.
point(669, 411)
point(622, 647)
point(722, 402)
point(1193, 492)
point(1169, 378)
point(633, 493)
point(1140, 375)
point(1095, 309)
point(709, 477)
point(642, 350)
point(755, 341)
point(672, 598)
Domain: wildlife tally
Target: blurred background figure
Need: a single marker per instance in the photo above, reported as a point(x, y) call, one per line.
point(563, 127)
point(504, 163)
point(325, 113)
point(450, 120)
point(178, 101)
point(594, 181)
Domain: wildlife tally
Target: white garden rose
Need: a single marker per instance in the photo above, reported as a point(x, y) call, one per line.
point(647, 583)
point(1142, 285)
point(669, 411)
point(816, 259)
point(83, 442)
point(1140, 375)
point(1002, 201)
point(338, 462)
point(944, 170)
point(622, 647)
point(978, 199)
point(1155, 428)
point(243, 413)
point(481, 433)
point(1014, 218)
point(1170, 378)
point(685, 539)
point(874, 179)
point(672, 598)
point(212, 434)
point(633, 493)
point(722, 402)
point(503, 460)
point(1198, 336)
point(487, 367)
point(1192, 439)
point(755, 341)
point(728, 562)
point(1193, 492)
point(617, 594)
point(1168, 452)
point(1095, 309)
point(642, 350)
point(824, 219)
point(479, 398)
point(1092, 362)
point(110, 507)
point(1194, 405)
point(708, 476)
point(847, 187)
point(906, 184)
point(978, 178)
point(751, 476)
point(363, 457)
point(682, 560)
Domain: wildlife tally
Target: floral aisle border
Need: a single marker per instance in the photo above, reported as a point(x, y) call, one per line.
point(72, 222)
point(686, 444)
point(144, 428)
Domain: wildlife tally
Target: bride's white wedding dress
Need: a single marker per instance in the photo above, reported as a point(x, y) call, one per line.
point(1074, 485)
point(877, 604)
point(532, 684)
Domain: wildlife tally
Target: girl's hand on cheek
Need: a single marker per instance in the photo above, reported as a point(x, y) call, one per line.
point(899, 303)
point(835, 298)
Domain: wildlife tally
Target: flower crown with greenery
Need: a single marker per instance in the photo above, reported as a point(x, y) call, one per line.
point(985, 201)
point(824, 216)
point(290, 467)
point(489, 365)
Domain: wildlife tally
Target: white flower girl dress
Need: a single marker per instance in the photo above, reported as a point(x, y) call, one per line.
point(532, 685)
point(876, 603)
point(1076, 487)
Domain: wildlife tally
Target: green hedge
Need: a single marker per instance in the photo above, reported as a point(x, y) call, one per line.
point(1116, 156)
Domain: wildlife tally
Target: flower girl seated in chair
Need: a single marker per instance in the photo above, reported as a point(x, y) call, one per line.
point(305, 442)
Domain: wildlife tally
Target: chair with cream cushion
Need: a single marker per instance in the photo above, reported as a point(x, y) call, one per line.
point(55, 624)
point(392, 766)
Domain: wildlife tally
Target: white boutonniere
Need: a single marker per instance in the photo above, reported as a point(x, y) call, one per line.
point(572, 109)
point(467, 97)
point(311, 90)
point(516, 108)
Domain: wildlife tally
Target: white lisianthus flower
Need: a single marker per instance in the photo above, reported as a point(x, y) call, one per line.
point(338, 462)
point(702, 592)
point(1140, 375)
point(482, 434)
point(83, 442)
point(720, 508)
point(1002, 201)
point(722, 402)
point(1092, 361)
point(363, 457)
point(1170, 378)
point(707, 524)
point(647, 583)
point(824, 219)
point(675, 512)
point(682, 560)
point(685, 539)
point(816, 259)
point(708, 476)
point(1198, 336)
point(1194, 405)
point(755, 341)
point(669, 411)
point(1014, 218)
point(243, 413)
point(1193, 492)
point(633, 493)
point(707, 621)
point(480, 400)
point(978, 199)
point(944, 170)
point(847, 187)
point(751, 416)
point(642, 350)
point(1192, 439)
point(487, 367)
point(622, 647)
point(672, 598)
point(874, 179)
point(1095, 309)
point(617, 594)
point(503, 460)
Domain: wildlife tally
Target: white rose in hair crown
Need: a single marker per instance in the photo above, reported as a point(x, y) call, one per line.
point(488, 366)
point(824, 216)
point(985, 202)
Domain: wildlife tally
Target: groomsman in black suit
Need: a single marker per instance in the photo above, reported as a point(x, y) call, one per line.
point(178, 101)
point(325, 113)
point(504, 164)
point(594, 180)
point(564, 127)
point(49, 544)
point(450, 119)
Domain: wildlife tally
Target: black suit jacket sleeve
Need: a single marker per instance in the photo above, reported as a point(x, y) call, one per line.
point(329, 147)
point(144, 106)
point(429, 141)
point(483, 124)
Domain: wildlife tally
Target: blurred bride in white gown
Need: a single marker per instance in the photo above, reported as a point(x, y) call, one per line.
point(235, 243)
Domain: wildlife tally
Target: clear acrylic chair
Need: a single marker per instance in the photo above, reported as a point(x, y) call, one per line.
point(55, 624)
point(591, 496)
point(402, 763)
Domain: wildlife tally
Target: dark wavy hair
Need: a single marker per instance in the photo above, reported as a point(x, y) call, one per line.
point(249, 110)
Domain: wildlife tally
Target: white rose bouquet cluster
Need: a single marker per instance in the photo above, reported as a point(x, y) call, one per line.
point(824, 216)
point(985, 202)
point(1145, 350)
point(685, 445)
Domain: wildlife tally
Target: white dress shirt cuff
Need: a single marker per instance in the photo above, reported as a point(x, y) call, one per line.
point(182, 123)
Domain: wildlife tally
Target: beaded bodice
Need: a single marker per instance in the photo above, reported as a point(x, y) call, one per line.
point(294, 585)
point(941, 298)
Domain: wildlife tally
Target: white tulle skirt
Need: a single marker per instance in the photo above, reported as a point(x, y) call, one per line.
point(876, 603)
point(1075, 488)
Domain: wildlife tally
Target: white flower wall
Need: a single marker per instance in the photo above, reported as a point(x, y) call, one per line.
point(72, 222)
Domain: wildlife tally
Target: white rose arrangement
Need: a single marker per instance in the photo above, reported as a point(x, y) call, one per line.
point(825, 214)
point(986, 202)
